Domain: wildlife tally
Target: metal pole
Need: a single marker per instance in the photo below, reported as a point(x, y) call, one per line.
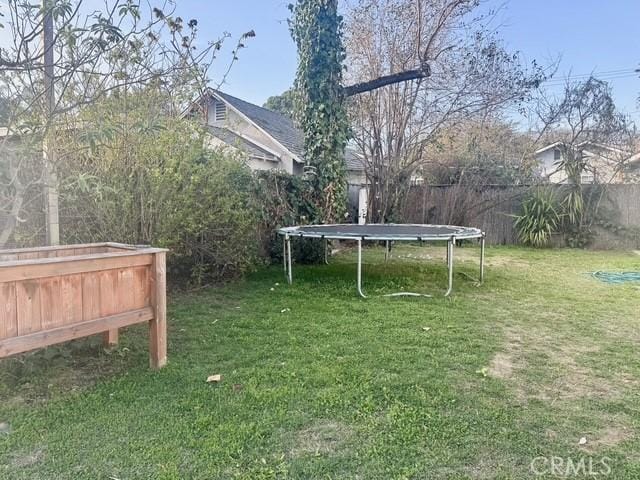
point(326, 248)
point(290, 273)
point(360, 269)
point(482, 258)
point(386, 250)
point(450, 264)
point(48, 147)
point(447, 254)
point(284, 255)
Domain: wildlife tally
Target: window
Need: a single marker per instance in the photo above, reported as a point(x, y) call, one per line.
point(587, 178)
point(556, 154)
point(219, 111)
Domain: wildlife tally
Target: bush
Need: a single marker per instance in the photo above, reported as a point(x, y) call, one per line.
point(285, 200)
point(156, 183)
point(539, 219)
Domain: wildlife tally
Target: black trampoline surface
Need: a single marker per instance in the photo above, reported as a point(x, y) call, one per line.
point(387, 231)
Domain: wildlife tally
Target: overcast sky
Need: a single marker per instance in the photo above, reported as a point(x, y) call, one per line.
point(598, 36)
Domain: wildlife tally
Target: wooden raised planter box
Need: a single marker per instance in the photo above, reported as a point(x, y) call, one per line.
point(50, 295)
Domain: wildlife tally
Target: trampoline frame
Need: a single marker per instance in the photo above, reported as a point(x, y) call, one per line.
point(466, 233)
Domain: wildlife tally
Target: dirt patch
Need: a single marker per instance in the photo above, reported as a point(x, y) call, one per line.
point(507, 262)
point(501, 366)
point(321, 438)
point(608, 438)
point(23, 460)
point(543, 367)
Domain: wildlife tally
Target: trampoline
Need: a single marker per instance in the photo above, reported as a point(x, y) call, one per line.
point(388, 232)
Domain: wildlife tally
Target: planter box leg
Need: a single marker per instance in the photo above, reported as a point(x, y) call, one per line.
point(110, 338)
point(158, 326)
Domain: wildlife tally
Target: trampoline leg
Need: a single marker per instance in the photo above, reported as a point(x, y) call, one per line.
point(284, 256)
point(289, 272)
point(447, 254)
point(360, 269)
point(387, 250)
point(326, 251)
point(482, 259)
point(450, 265)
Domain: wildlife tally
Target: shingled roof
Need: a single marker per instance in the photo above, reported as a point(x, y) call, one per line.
point(275, 124)
point(242, 143)
point(282, 129)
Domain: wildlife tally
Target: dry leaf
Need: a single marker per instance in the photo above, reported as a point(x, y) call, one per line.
point(214, 378)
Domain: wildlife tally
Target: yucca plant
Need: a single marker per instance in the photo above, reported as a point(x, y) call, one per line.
point(539, 219)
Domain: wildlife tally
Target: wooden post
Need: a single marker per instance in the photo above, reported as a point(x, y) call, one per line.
point(48, 147)
point(110, 338)
point(158, 325)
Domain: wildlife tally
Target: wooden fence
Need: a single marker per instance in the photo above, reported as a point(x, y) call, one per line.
point(492, 209)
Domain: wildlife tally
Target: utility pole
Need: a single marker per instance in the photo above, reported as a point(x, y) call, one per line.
point(48, 145)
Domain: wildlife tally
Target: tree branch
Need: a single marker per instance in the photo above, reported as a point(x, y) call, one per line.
point(385, 80)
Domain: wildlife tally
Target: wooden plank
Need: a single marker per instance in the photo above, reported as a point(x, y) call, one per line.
point(71, 299)
point(8, 313)
point(11, 346)
point(141, 287)
point(28, 307)
point(51, 267)
point(110, 338)
point(158, 325)
point(124, 290)
point(51, 303)
point(90, 296)
point(53, 247)
point(108, 284)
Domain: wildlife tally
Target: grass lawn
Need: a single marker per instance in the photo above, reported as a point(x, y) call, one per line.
point(319, 383)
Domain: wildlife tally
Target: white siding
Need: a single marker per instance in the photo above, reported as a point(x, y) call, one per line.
point(236, 123)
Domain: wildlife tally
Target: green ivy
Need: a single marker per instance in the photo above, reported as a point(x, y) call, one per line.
point(316, 29)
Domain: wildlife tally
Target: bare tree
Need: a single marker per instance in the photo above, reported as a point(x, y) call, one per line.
point(470, 75)
point(595, 142)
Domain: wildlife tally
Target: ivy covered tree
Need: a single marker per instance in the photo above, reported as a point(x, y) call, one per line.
point(316, 28)
point(282, 103)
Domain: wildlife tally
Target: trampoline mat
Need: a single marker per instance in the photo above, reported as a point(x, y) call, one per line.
point(385, 231)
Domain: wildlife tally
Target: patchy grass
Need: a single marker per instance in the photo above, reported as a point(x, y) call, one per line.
point(318, 383)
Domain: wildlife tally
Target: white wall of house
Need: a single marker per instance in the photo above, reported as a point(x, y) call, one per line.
point(548, 164)
point(239, 125)
point(356, 177)
point(599, 169)
point(254, 163)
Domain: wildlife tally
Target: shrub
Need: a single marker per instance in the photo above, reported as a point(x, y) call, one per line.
point(154, 182)
point(285, 200)
point(539, 219)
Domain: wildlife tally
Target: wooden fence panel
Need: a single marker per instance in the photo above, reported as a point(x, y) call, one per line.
point(492, 208)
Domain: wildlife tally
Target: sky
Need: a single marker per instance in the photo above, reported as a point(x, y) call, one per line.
point(587, 36)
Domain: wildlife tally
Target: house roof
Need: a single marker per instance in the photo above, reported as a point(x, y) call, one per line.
point(584, 144)
point(354, 160)
point(545, 148)
point(281, 128)
point(273, 123)
point(242, 143)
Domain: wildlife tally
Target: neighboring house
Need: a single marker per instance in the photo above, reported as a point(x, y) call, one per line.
point(605, 164)
point(268, 139)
